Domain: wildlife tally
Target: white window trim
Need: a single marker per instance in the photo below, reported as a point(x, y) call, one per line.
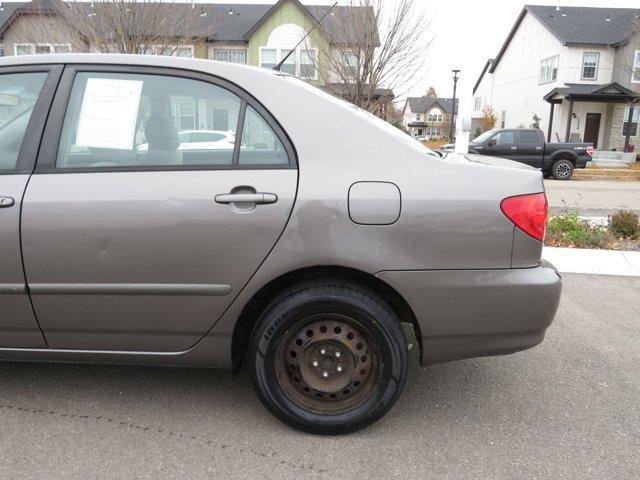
point(584, 56)
point(297, 64)
point(232, 49)
point(633, 69)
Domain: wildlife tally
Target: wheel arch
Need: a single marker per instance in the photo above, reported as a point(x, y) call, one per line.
point(255, 305)
point(565, 155)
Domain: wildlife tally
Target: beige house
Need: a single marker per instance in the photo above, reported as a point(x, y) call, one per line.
point(252, 34)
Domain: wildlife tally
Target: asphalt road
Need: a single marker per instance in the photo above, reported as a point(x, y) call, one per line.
point(593, 197)
point(569, 408)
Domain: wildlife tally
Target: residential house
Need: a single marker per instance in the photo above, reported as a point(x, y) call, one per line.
point(428, 117)
point(576, 69)
point(252, 34)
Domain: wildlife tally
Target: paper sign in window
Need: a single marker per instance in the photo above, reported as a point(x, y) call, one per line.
point(109, 113)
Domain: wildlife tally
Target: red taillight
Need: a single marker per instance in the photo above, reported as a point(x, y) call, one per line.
point(590, 151)
point(528, 213)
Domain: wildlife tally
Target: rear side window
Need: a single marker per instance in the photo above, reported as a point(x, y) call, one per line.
point(528, 137)
point(125, 120)
point(18, 95)
point(260, 145)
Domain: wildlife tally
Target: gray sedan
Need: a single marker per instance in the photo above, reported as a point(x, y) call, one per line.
point(293, 256)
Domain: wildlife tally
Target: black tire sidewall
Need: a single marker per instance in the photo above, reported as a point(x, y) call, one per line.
point(381, 324)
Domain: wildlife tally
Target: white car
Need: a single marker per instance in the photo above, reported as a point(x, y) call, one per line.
point(202, 140)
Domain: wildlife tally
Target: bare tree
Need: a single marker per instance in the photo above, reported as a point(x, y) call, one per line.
point(118, 26)
point(431, 92)
point(375, 46)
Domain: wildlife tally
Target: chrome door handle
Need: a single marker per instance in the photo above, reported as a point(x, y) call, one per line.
point(6, 202)
point(258, 198)
point(514, 148)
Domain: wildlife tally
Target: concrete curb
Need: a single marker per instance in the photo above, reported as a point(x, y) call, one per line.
point(596, 262)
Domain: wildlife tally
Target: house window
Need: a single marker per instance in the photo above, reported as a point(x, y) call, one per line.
point(1, 50)
point(632, 127)
point(635, 76)
point(435, 115)
point(268, 57)
point(183, 112)
point(590, 65)
point(230, 55)
point(40, 48)
point(503, 119)
point(549, 70)
point(308, 64)
point(477, 103)
point(186, 51)
point(301, 63)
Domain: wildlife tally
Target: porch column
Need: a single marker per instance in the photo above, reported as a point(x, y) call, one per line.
point(550, 122)
point(628, 135)
point(568, 134)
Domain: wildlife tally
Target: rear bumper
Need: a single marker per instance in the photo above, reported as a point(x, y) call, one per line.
point(473, 313)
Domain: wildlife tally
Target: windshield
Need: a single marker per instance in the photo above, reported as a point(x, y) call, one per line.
point(485, 136)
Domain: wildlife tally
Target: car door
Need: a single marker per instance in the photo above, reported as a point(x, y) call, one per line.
point(144, 249)
point(503, 144)
point(531, 147)
point(25, 96)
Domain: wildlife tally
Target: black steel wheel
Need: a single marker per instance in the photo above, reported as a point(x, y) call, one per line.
point(328, 357)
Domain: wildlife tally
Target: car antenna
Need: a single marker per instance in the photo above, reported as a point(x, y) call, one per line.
point(278, 67)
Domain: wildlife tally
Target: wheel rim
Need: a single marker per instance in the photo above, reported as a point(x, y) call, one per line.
point(328, 364)
point(563, 170)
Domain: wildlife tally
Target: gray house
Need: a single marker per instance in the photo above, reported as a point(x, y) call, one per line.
point(575, 71)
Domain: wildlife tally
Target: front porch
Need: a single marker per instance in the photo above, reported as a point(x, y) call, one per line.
point(605, 115)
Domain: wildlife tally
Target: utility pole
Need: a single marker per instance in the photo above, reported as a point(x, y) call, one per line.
point(453, 108)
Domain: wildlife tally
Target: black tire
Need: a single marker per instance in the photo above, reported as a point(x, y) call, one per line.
point(546, 174)
point(562, 169)
point(323, 306)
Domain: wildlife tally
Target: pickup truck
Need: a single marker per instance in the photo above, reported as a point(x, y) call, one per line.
point(528, 146)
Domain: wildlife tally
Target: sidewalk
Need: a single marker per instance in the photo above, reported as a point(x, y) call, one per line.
point(598, 262)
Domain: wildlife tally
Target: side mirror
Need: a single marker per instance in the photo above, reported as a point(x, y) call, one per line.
point(491, 143)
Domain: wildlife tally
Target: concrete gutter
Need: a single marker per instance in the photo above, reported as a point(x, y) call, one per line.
point(596, 262)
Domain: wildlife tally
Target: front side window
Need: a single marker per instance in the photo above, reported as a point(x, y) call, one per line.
point(630, 128)
point(590, 65)
point(504, 138)
point(128, 120)
point(18, 95)
point(635, 75)
point(549, 70)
